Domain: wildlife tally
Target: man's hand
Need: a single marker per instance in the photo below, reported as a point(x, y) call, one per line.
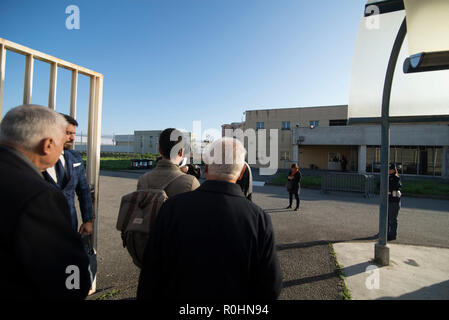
point(184, 169)
point(87, 228)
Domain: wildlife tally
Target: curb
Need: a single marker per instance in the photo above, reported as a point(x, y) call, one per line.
point(346, 294)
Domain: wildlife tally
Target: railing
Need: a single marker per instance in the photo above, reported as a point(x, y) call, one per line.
point(349, 182)
point(95, 106)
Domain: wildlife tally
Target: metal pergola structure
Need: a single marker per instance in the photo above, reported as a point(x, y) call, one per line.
point(95, 106)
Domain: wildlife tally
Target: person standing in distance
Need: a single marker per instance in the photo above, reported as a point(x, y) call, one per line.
point(394, 201)
point(42, 256)
point(293, 185)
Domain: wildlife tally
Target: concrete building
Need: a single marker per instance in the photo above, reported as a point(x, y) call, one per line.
point(232, 126)
point(148, 141)
point(318, 138)
point(124, 142)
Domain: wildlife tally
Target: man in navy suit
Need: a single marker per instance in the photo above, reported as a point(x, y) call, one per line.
point(69, 175)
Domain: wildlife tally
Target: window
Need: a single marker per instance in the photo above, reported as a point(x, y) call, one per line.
point(340, 122)
point(285, 155)
point(285, 125)
point(314, 123)
point(333, 157)
point(409, 159)
point(260, 125)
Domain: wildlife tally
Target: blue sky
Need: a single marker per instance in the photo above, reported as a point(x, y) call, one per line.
point(167, 63)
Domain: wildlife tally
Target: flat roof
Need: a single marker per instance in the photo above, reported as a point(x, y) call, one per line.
point(303, 107)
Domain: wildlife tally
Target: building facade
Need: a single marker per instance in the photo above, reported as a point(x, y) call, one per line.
point(148, 141)
point(319, 138)
point(232, 126)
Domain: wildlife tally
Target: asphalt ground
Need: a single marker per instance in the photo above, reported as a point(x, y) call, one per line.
point(302, 237)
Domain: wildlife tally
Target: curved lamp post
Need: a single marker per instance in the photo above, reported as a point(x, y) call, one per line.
point(427, 25)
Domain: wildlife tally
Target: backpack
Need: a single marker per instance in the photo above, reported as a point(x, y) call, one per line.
point(138, 211)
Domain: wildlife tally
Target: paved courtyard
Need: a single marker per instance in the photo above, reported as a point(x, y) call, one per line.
point(302, 237)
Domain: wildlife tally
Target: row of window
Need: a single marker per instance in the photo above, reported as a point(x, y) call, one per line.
point(409, 160)
point(312, 124)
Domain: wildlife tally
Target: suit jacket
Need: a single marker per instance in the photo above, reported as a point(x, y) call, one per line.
point(211, 244)
point(76, 183)
point(37, 242)
point(158, 176)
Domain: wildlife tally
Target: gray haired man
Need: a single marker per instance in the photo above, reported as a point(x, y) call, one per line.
point(42, 257)
point(212, 244)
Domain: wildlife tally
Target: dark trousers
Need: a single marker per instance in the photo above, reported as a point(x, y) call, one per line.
point(393, 211)
point(291, 199)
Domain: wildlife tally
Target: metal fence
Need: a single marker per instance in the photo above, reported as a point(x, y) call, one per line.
point(349, 182)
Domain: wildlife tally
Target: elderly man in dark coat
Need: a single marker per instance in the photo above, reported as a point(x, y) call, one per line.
point(212, 244)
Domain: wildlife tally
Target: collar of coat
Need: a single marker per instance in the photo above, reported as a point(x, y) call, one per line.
point(166, 164)
point(229, 188)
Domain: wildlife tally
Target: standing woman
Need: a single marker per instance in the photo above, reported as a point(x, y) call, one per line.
point(394, 201)
point(294, 179)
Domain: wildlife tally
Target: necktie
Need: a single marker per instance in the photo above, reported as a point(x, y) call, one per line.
point(60, 173)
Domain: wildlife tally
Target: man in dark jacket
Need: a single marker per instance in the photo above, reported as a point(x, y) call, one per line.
point(42, 256)
point(212, 244)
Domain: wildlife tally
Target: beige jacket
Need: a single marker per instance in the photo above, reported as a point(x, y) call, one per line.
point(159, 175)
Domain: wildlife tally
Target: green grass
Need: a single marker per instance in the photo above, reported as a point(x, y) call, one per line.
point(346, 294)
point(122, 161)
point(410, 187)
point(425, 187)
point(109, 294)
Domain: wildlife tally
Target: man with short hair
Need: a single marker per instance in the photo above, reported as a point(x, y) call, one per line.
point(212, 244)
point(42, 257)
point(69, 175)
point(171, 148)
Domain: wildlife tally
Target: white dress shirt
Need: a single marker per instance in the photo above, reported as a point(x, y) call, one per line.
point(52, 172)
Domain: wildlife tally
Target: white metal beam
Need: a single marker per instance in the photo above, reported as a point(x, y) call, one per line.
point(28, 82)
point(17, 48)
point(73, 93)
point(2, 76)
point(53, 83)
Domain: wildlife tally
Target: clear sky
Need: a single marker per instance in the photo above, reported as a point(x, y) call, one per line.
point(167, 63)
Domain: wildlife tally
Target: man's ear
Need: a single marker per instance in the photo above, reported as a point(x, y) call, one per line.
point(45, 146)
point(241, 173)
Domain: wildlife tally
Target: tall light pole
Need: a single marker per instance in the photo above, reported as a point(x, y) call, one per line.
point(427, 25)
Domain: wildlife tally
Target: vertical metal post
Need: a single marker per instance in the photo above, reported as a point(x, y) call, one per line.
point(28, 82)
point(97, 149)
point(73, 93)
point(53, 83)
point(89, 144)
point(93, 150)
point(2, 76)
point(381, 251)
